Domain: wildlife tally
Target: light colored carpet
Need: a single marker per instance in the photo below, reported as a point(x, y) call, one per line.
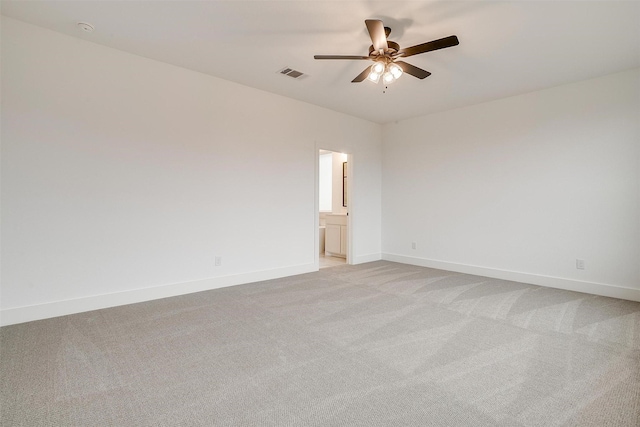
point(378, 344)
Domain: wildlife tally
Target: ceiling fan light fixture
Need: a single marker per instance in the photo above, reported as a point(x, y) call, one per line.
point(374, 77)
point(395, 70)
point(376, 71)
point(377, 68)
point(388, 77)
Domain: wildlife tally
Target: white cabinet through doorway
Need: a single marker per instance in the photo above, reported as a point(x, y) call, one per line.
point(336, 235)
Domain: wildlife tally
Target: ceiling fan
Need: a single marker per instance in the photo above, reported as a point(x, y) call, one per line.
point(385, 55)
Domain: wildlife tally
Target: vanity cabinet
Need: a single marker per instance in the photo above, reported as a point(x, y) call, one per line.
point(336, 235)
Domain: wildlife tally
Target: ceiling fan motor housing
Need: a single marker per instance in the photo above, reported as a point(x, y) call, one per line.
point(393, 48)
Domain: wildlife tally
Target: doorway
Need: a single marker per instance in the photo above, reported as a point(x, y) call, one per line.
point(333, 202)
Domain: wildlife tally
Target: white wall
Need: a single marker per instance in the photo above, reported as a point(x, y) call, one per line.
point(325, 183)
point(123, 178)
point(521, 187)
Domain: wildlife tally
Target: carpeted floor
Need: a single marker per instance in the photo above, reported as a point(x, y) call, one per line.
point(377, 344)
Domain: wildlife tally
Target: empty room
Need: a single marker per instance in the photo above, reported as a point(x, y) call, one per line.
point(320, 213)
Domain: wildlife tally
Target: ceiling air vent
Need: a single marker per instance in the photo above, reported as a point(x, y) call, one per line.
point(292, 73)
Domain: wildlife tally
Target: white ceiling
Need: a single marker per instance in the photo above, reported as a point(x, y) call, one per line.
point(506, 48)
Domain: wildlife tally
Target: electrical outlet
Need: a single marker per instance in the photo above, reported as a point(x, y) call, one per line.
point(218, 261)
point(414, 245)
point(580, 264)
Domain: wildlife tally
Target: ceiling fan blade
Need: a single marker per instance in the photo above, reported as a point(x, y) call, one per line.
point(340, 57)
point(376, 32)
point(413, 70)
point(363, 75)
point(430, 46)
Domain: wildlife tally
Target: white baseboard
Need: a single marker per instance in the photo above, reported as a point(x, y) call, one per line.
point(534, 279)
point(361, 259)
point(95, 302)
point(12, 316)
